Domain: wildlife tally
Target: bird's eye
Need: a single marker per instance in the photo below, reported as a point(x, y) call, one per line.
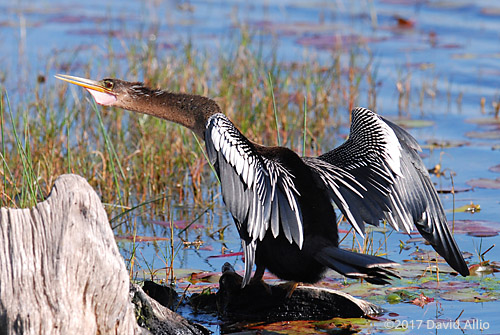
point(108, 84)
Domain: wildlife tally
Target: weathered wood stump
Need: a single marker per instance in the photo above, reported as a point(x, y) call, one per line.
point(61, 272)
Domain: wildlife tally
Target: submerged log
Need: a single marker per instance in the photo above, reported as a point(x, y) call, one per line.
point(271, 303)
point(61, 271)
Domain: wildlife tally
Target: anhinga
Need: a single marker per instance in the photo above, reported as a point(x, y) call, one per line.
point(283, 204)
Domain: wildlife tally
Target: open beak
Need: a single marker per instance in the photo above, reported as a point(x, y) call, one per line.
point(86, 83)
point(102, 95)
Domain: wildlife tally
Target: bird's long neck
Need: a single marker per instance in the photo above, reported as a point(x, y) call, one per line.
point(191, 111)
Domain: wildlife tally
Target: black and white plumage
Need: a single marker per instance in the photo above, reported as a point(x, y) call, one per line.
point(375, 175)
point(283, 205)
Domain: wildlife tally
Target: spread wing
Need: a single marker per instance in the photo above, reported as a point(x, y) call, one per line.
point(258, 191)
point(392, 183)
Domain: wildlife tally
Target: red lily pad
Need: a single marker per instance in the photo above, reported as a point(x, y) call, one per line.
point(422, 300)
point(485, 121)
point(206, 277)
point(477, 228)
point(485, 135)
point(495, 168)
point(335, 41)
point(485, 183)
point(229, 254)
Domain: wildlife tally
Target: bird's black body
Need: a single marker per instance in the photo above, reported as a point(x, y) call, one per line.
point(283, 204)
point(283, 258)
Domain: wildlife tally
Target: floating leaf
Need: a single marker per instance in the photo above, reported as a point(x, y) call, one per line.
point(294, 28)
point(415, 239)
point(468, 208)
point(490, 11)
point(364, 290)
point(205, 277)
point(413, 123)
point(229, 254)
point(484, 183)
point(422, 300)
point(485, 121)
point(477, 228)
point(433, 143)
point(484, 268)
point(450, 285)
point(412, 268)
point(475, 55)
point(495, 168)
point(442, 4)
point(335, 41)
point(469, 295)
point(454, 190)
point(404, 23)
point(485, 135)
point(401, 295)
point(340, 326)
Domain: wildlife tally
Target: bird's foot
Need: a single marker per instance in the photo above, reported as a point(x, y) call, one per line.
point(290, 287)
point(259, 281)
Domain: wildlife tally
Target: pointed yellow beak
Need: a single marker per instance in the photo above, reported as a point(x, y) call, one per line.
point(86, 83)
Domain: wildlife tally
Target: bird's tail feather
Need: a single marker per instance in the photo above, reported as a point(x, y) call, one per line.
point(373, 269)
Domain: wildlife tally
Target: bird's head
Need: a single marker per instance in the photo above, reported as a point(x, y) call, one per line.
point(191, 111)
point(109, 91)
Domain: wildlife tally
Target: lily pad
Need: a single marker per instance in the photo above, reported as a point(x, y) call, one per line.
point(490, 11)
point(206, 277)
point(422, 300)
point(485, 183)
point(335, 41)
point(468, 208)
point(412, 269)
point(334, 326)
point(401, 295)
point(484, 135)
point(485, 121)
point(469, 295)
point(433, 143)
point(477, 228)
point(450, 285)
point(495, 168)
point(483, 269)
point(413, 123)
point(364, 290)
point(228, 254)
point(453, 190)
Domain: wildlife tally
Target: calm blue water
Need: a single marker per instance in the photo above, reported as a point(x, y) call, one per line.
point(448, 50)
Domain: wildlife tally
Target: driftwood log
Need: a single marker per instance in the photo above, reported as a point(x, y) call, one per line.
point(262, 302)
point(61, 272)
point(259, 302)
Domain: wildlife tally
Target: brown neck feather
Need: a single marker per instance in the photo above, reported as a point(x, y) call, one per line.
point(191, 111)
